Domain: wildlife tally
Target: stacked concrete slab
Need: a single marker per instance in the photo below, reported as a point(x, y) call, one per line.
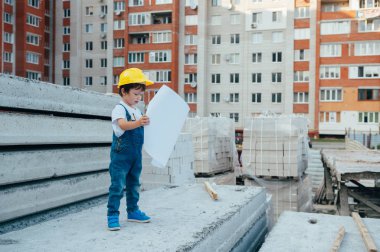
point(54, 145)
point(214, 144)
point(179, 169)
point(275, 146)
point(317, 232)
point(184, 218)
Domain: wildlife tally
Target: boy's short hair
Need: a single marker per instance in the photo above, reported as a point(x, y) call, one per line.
point(131, 86)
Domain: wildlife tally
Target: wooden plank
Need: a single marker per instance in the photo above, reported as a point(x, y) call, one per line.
point(364, 201)
point(343, 201)
point(211, 191)
point(369, 243)
point(329, 189)
point(338, 240)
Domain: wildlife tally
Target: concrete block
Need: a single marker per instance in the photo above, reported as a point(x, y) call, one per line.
point(21, 166)
point(17, 92)
point(28, 199)
point(22, 129)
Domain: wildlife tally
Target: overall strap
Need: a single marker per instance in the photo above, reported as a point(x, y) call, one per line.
point(126, 112)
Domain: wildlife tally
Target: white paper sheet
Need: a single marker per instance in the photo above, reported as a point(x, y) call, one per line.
point(167, 112)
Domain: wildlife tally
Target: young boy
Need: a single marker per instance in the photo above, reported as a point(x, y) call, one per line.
point(128, 137)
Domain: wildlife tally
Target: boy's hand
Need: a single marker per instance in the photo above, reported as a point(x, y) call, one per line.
point(144, 120)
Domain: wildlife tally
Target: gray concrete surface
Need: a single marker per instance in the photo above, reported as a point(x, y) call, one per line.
point(328, 145)
point(183, 218)
point(293, 232)
point(17, 92)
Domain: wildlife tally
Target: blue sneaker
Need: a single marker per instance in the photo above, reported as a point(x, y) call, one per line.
point(113, 223)
point(138, 216)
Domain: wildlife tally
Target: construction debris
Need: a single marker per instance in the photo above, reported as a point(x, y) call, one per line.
point(369, 243)
point(211, 191)
point(338, 240)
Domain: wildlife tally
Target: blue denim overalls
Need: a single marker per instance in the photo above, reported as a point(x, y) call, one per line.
point(125, 168)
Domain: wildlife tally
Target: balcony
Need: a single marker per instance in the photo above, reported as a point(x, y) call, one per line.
point(138, 38)
point(162, 18)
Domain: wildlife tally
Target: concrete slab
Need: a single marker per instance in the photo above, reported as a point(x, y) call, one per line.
point(183, 219)
point(293, 232)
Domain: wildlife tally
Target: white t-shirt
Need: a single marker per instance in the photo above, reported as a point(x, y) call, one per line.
point(119, 112)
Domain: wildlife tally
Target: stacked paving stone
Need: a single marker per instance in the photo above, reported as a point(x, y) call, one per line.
point(275, 146)
point(214, 145)
point(179, 169)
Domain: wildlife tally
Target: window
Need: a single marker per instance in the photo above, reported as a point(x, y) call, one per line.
point(257, 17)
point(277, 57)
point(8, 57)
point(103, 80)
point(136, 57)
point(115, 79)
point(191, 97)
point(216, 39)
point(215, 2)
point(234, 58)
point(276, 78)
point(329, 117)
point(276, 16)
point(302, 12)
point(103, 45)
point(369, 3)
point(329, 72)
point(301, 97)
point(234, 116)
point(103, 9)
point(331, 50)
point(8, 37)
point(191, 20)
point(118, 43)
point(301, 76)
point(103, 62)
point(276, 97)
point(234, 78)
point(136, 2)
point(364, 72)
point(66, 13)
point(103, 27)
point(32, 39)
point(367, 48)
point(190, 78)
point(88, 63)
point(302, 33)
point(65, 64)
point(89, 46)
point(216, 20)
point(66, 81)
point(88, 80)
point(119, 6)
point(34, 3)
point(369, 25)
point(257, 57)
point(191, 59)
point(257, 38)
point(368, 117)
point(215, 97)
point(234, 97)
point(66, 30)
point(88, 28)
point(118, 61)
point(235, 38)
point(191, 39)
point(119, 25)
point(256, 97)
point(163, 76)
point(8, 18)
point(215, 114)
point(277, 37)
point(10, 2)
point(368, 94)
point(139, 19)
point(215, 59)
point(330, 94)
point(32, 20)
point(33, 75)
point(256, 78)
point(235, 19)
point(215, 78)
point(257, 1)
point(161, 37)
point(336, 27)
point(162, 56)
point(301, 55)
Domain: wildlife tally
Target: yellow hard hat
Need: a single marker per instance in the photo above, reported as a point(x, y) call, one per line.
point(133, 75)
